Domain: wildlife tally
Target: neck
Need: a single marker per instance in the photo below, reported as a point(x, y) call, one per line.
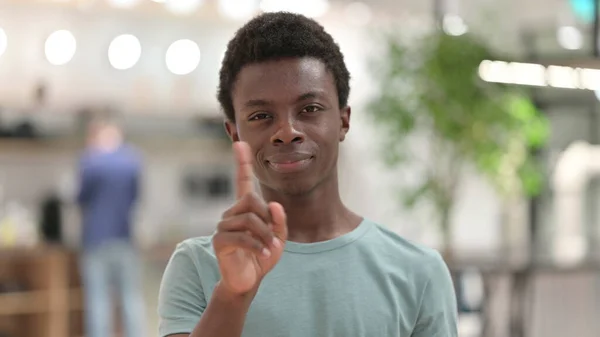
point(315, 216)
point(108, 146)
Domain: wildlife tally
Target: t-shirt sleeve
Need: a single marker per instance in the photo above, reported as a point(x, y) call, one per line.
point(438, 316)
point(181, 299)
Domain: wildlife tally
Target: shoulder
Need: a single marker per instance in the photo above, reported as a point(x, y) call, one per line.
point(185, 284)
point(414, 260)
point(427, 271)
point(193, 259)
point(197, 249)
point(194, 256)
point(131, 151)
point(406, 250)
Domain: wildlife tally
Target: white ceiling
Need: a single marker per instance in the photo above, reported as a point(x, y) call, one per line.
point(510, 11)
point(500, 21)
point(504, 16)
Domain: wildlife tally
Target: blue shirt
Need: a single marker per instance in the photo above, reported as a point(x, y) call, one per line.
point(109, 183)
point(367, 283)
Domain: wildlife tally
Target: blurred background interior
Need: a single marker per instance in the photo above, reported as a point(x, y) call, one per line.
point(475, 130)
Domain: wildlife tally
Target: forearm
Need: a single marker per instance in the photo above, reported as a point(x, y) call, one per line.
point(224, 315)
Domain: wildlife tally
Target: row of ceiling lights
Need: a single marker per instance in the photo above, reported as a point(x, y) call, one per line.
point(235, 9)
point(356, 12)
point(124, 52)
point(538, 75)
point(569, 37)
point(182, 56)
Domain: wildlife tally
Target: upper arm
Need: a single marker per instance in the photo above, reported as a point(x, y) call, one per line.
point(437, 315)
point(181, 299)
point(85, 182)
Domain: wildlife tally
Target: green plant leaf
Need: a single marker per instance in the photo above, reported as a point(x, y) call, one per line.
point(433, 86)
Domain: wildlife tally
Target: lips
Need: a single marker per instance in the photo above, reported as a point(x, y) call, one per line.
point(289, 162)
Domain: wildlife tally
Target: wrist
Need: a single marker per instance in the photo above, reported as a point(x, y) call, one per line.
point(225, 295)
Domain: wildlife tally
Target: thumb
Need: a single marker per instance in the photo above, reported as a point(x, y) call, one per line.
point(279, 221)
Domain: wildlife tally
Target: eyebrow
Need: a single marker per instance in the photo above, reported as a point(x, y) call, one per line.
point(256, 103)
point(309, 95)
point(253, 103)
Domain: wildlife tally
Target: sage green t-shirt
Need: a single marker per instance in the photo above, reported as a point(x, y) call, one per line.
point(367, 283)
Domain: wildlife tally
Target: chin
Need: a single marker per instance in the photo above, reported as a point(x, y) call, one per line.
point(294, 187)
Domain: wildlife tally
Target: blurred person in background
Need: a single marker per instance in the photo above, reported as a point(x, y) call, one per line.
point(290, 259)
point(109, 187)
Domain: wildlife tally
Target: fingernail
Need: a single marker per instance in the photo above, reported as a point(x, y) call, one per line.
point(265, 252)
point(276, 243)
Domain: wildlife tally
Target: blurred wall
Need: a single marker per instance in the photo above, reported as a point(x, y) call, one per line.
point(149, 88)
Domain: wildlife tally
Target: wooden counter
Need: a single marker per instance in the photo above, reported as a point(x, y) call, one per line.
point(45, 296)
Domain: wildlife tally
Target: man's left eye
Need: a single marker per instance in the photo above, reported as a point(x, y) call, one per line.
point(311, 108)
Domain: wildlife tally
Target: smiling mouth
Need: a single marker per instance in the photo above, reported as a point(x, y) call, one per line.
point(290, 166)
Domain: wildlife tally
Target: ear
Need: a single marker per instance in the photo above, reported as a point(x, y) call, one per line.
point(345, 125)
point(231, 130)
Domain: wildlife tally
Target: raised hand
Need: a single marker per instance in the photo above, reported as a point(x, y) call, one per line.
point(251, 236)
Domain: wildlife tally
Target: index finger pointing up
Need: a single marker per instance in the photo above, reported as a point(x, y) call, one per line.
point(245, 175)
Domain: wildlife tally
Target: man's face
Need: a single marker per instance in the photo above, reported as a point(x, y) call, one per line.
point(104, 136)
point(287, 111)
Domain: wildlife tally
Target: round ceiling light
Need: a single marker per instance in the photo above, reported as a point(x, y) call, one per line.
point(183, 57)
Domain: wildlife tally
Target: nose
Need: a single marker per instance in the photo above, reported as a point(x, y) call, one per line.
point(287, 133)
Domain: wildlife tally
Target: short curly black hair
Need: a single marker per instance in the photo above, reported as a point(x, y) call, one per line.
point(271, 36)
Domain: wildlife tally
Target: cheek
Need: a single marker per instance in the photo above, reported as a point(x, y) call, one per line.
point(328, 143)
point(258, 163)
point(333, 132)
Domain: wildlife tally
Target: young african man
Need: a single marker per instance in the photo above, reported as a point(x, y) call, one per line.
point(291, 260)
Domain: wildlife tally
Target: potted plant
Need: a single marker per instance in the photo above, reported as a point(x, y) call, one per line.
point(440, 118)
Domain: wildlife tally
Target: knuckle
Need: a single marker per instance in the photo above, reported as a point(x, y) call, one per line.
point(241, 240)
point(255, 223)
point(256, 245)
point(251, 219)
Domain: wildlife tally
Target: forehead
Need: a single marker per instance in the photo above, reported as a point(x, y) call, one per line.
point(284, 79)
